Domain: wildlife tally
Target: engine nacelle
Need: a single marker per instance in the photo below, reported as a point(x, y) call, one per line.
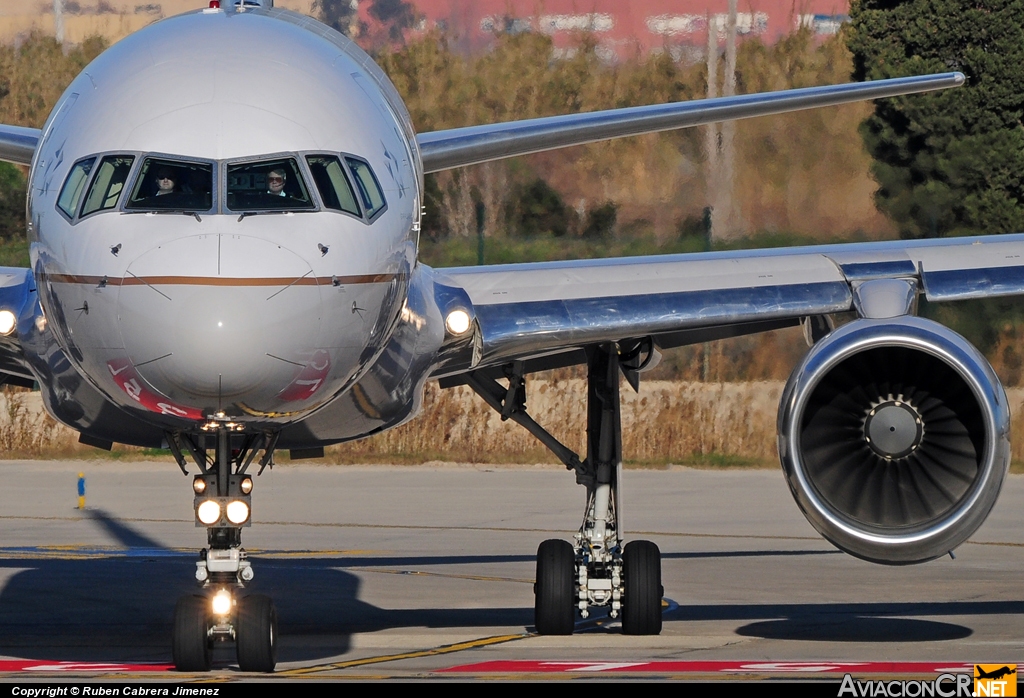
point(894, 436)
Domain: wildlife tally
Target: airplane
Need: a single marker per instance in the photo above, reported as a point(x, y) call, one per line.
point(223, 215)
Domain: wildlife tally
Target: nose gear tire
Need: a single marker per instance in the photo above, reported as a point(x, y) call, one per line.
point(191, 646)
point(256, 634)
point(641, 608)
point(555, 603)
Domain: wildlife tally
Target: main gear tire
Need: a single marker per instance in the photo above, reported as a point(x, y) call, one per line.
point(555, 602)
point(641, 605)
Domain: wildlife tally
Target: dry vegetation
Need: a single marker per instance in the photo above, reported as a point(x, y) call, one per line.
point(805, 173)
point(668, 422)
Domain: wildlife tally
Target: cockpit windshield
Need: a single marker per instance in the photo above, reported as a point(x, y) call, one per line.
point(267, 185)
point(173, 185)
point(140, 183)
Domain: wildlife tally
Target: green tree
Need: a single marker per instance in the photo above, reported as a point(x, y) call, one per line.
point(542, 211)
point(951, 162)
point(13, 188)
point(341, 15)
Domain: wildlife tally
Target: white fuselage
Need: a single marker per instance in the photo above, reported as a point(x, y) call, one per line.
point(183, 313)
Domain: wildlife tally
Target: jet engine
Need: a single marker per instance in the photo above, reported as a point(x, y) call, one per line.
point(894, 437)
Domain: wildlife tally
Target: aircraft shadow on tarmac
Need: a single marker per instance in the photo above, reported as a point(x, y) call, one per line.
point(119, 608)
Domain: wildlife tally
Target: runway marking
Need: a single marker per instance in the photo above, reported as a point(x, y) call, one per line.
point(420, 573)
point(416, 654)
point(711, 667)
point(43, 665)
point(581, 626)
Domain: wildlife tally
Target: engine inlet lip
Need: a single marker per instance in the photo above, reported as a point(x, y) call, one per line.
point(930, 539)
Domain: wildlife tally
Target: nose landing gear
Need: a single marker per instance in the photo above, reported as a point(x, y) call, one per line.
point(222, 505)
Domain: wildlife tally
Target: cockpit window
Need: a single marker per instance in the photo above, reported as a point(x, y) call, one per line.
point(333, 184)
point(108, 183)
point(71, 193)
point(369, 190)
point(173, 185)
point(267, 185)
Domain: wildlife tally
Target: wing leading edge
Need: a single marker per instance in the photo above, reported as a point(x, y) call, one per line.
point(529, 310)
point(443, 150)
point(18, 144)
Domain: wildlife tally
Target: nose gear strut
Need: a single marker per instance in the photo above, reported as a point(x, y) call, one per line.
point(218, 614)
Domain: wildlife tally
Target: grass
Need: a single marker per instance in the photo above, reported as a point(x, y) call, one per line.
point(452, 252)
point(14, 253)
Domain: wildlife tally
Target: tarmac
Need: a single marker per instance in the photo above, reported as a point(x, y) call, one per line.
point(427, 572)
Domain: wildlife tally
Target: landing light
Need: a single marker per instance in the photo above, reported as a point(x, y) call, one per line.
point(7, 322)
point(222, 603)
point(457, 321)
point(209, 512)
point(238, 512)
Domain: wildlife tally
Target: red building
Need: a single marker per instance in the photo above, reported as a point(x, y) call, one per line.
point(623, 27)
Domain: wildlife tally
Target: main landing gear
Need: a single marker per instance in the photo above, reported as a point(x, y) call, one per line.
point(223, 507)
point(597, 569)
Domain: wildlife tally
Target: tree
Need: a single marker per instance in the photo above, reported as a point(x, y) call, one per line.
point(13, 188)
point(395, 15)
point(341, 15)
point(951, 162)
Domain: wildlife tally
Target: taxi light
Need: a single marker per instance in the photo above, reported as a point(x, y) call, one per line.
point(457, 321)
point(222, 603)
point(245, 485)
point(238, 512)
point(199, 485)
point(209, 512)
point(7, 322)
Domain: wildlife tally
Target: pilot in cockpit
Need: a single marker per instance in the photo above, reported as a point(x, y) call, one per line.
point(276, 179)
point(165, 182)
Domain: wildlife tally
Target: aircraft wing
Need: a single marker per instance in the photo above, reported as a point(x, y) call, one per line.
point(442, 150)
point(17, 294)
point(525, 311)
point(18, 143)
point(17, 289)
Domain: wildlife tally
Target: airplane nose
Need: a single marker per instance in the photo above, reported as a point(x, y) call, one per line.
point(219, 319)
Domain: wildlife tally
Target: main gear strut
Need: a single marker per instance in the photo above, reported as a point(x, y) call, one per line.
point(597, 570)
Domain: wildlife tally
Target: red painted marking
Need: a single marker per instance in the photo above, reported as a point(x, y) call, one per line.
point(309, 379)
point(716, 667)
point(129, 381)
point(40, 665)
